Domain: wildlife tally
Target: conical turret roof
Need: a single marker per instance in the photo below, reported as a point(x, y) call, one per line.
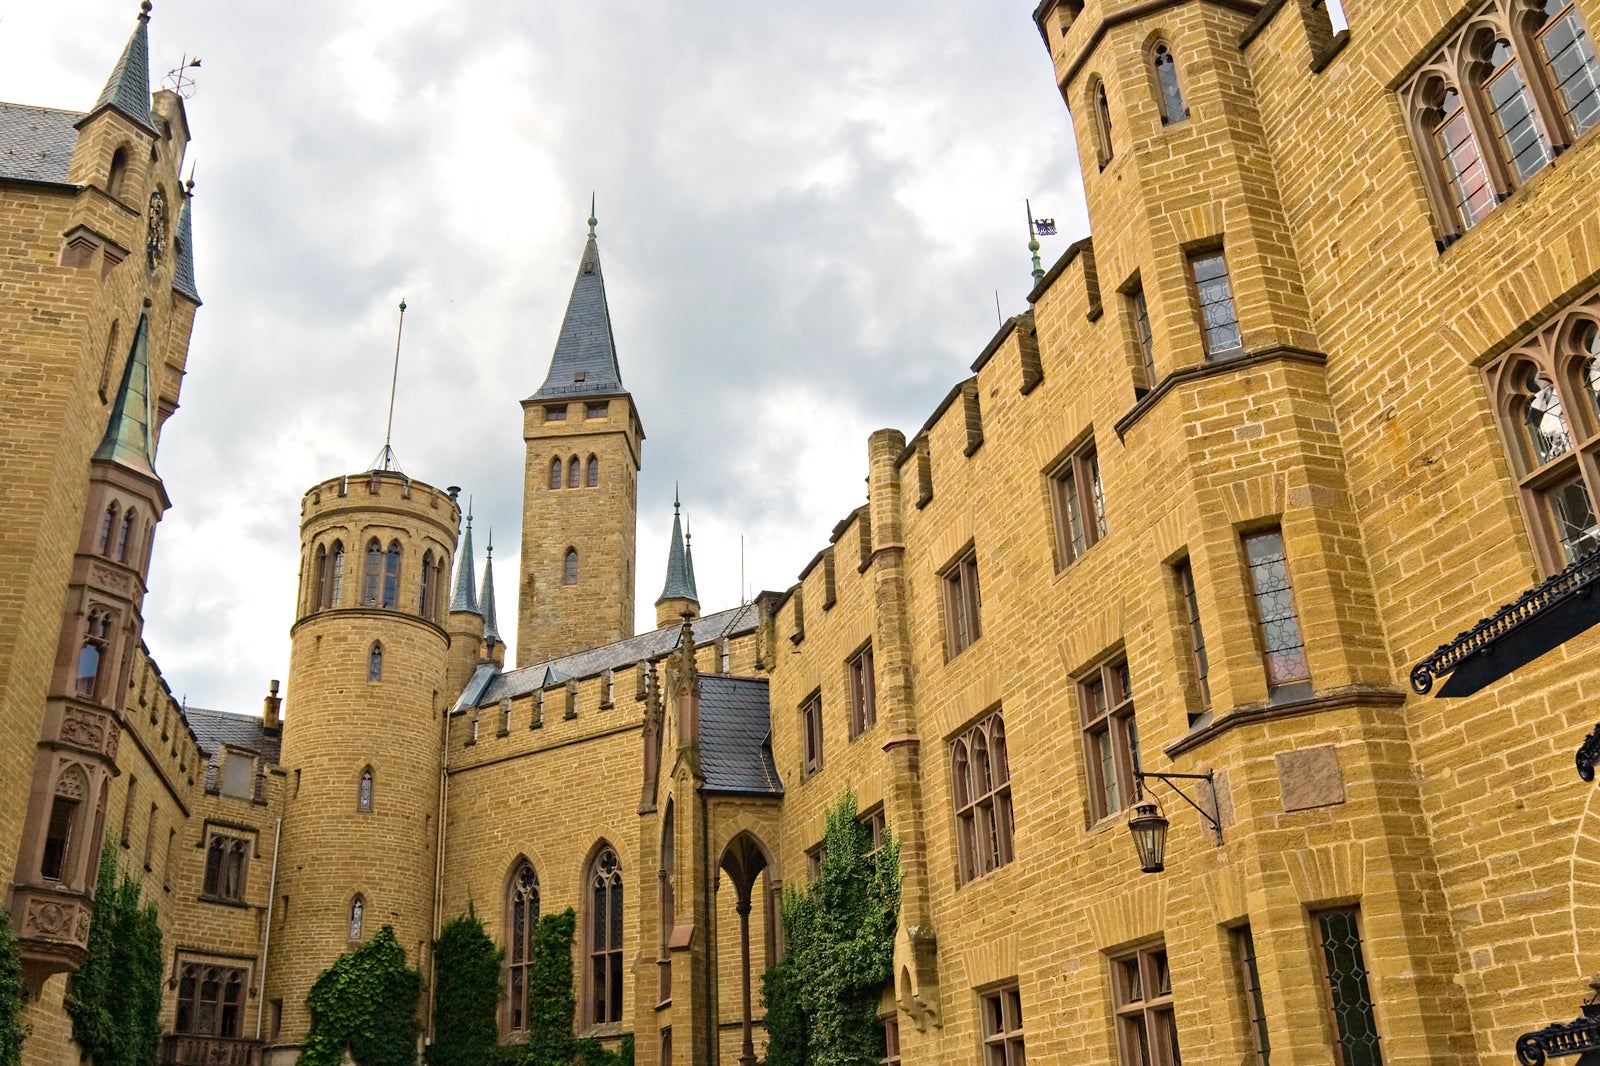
point(466, 597)
point(680, 566)
point(127, 90)
point(491, 628)
point(130, 432)
point(585, 360)
point(183, 272)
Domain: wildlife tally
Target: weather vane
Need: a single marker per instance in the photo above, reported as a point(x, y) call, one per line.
point(179, 80)
point(1038, 227)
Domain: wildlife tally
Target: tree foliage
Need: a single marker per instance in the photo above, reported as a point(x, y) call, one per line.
point(114, 998)
point(838, 932)
point(466, 995)
point(12, 1031)
point(551, 1004)
point(592, 1053)
point(365, 1002)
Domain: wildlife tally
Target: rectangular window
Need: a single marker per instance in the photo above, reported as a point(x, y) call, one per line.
point(597, 410)
point(875, 823)
point(1288, 675)
point(891, 1042)
point(1218, 319)
point(863, 693)
point(1141, 329)
point(1197, 637)
point(127, 811)
point(814, 857)
point(58, 838)
point(811, 733)
point(1244, 950)
point(1110, 738)
point(980, 783)
point(961, 603)
point(1348, 998)
point(1002, 1027)
point(1572, 67)
point(555, 413)
point(1141, 993)
point(1079, 501)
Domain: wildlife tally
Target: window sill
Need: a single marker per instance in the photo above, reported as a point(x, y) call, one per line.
point(222, 901)
point(601, 1031)
point(1254, 713)
point(1062, 571)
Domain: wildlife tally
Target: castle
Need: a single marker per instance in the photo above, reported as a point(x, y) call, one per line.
point(1320, 391)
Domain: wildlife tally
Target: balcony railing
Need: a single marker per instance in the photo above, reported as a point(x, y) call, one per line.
point(181, 1050)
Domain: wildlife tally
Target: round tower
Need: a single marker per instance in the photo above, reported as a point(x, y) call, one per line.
point(362, 740)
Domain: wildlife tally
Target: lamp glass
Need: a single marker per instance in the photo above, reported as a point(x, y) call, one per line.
point(1149, 829)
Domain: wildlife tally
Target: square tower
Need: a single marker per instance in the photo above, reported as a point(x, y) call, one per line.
point(580, 495)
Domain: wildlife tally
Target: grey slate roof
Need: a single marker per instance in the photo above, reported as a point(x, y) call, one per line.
point(491, 627)
point(585, 347)
point(680, 567)
point(127, 91)
point(36, 143)
point(466, 597)
point(736, 736)
point(594, 661)
point(183, 273)
point(129, 439)
point(216, 729)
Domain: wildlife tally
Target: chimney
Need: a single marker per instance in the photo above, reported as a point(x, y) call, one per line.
point(271, 720)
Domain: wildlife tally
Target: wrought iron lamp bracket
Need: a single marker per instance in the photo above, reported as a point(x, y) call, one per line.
point(1213, 816)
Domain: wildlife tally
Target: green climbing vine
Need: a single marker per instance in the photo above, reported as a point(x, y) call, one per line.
point(365, 1002)
point(12, 1031)
point(114, 998)
point(551, 1004)
point(838, 933)
point(592, 1053)
point(466, 994)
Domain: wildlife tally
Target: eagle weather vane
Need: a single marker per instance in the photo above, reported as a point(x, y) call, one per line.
point(179, 80)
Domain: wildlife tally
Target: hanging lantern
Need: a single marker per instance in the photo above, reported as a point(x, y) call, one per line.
point(1149, 829)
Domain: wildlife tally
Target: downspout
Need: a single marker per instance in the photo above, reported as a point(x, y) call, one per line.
point(266, 938)
point(438, 869)
point(712, 1008)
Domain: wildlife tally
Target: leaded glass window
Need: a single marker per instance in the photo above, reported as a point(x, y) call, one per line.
point(605, 939)
point(1282, 648)
point(1349, 998)
point(980, 771)
point(1472, 194)
point(1170, 97)
point(1002, 1029)
point(524, 907)
point(210, 1001)
point(391, 575)
point(1244, 948)
point(1521, 138)
point(371, 574)
point(1219, 320)
point(1146, 1018)
point(1571, 63)
point(1111, 738)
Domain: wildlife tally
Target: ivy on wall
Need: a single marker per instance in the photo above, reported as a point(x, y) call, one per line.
point(12, 1031)
point(551, 1004)
point(114, 998)
point(838, 933)
point(466, 996)
point(365, 1002)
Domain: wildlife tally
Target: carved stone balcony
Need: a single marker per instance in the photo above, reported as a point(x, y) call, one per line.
point(52, 928)
point(181, 1050)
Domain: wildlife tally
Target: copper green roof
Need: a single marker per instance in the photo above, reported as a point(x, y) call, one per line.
point(130, 433)
point(466, 597)
point(585, 360)
point(127, 91)
point(680, 566)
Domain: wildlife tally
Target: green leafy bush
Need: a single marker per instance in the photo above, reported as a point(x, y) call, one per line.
point(366, 1002)
point(466, 996)
point(12, 1031)
point(114, 998)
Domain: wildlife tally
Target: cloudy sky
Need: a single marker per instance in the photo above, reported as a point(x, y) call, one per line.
point(805, 213)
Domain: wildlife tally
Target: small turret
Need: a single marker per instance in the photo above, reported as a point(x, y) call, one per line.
point(494, 649)
point(679, 598)
point(466, 625)
point(127, 90)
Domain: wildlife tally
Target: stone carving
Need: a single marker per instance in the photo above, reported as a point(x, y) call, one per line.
point(104, 577)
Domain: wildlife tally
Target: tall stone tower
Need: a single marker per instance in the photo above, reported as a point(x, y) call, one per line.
point(580, 497)
point(363, 728)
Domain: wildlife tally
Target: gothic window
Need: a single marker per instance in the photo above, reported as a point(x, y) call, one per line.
point(425, 593)
point(1546, 392)
point(210, 1001)
point(1110, 738)
point(1219, 321)
point(569, 569)
point(372, 573)
point(1522, 143)
point(118, 171)
point(364, 791)
point(1282, 647)
point(108, 526)
point(1168, 95)
point(335, 575)
point(391, 575)
point(1102, 123)
point(319, 577)
point(125, 535)
point(523, 906)
point(1570, 63)
point(981, 786)
point(573, 472)
point(591, 474)
point(227, 860)
point(555, 473)
point(97, 630)
point(63, 825)
point(604, 937)
point(375, 662)
point(357, 912)
point(667, 901)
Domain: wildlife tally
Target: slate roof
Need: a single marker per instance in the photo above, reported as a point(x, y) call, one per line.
point(733, 622)
point(585, 360)
point(491, 626)
point(36, 143)
point(183, 273)
point(215, 729)
point(466, 597)
point(680, 567)
point(127, 90)
point(736, 736)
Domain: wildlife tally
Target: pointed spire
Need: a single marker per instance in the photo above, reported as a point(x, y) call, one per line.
point(585, 359)
point(127, 91)
point(130, 433)
point(183, 273)
point(680, 571)
point(491, 630)
point(688, 561)
point(466, 597)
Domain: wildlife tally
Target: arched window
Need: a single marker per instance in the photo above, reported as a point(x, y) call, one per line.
point(425, 604)
point(108, 526)
point(572, 472)
point(391, 575)
point(980, 773)
point(118, 171)
point(371, 574)
point(555, 473)
point(1456, 148)
point(1523, 145)
point(569, 569)
point(1168, 96)
point(375, 662)
point(1586, 341)
point(357, 912)
point(335, 574)
point(1540, 418)
point(604, 937)
point(522, 905)
point(71, 790)
point(125, 535)
point(1570, 63)
point(210, 1001)
point(668, 899)
point(591, 476)
point(226, 857)
point(319, 577)
point(90, 655)
point(1102, 123)
point(364, 791)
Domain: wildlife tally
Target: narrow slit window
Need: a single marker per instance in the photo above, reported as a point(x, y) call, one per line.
point(1197, 637)
point(1170, 97)
point(375, 663)
point(573, 473)
point(569, 568)
point(1219, 320)
point(555, 473)
point(1348, 995)
point(391, 575)
point(1282, 648)
point(1471, 193)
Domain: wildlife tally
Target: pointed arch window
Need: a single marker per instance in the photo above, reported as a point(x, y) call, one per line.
point(364, 792)
point(668, 902)
point(108, 526)
point(523, 915)
point(555, 473)
point(210, 1001)
point(319, 577)
point(358, 909)
point(375, 662)
point(1102, 123)
point(227, 859)
point(569, 569)
point(425, 593)
point(372, 573)
point(1168, 95)
point(1570, 64)
point(62, 828)
point(1522, 142)
point(125, 534)
point(96, 634)
point(118, 171)
point(335, 583)
point(604, 937)
point(591, 475)
point(391, 575)
point(572, 472)
point(981, 788)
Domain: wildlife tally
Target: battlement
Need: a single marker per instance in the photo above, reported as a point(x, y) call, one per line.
point(381, 490)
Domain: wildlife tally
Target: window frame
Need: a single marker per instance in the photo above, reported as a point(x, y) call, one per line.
point(1157, 49)
point(1249, 972)
point(985, 817)
point(522, 895)
point(1194, 634)
point(862, 670)
point(1077, 503)
point(190, 982)
point(811, 735)
point(1134, 1009)
point(1110, 734)
point(1289, 688)
point(963, 602)
point(1001, 1031)
point(1192, 260)
point(226, 874)
point(1335, 1020)
point(605, 984)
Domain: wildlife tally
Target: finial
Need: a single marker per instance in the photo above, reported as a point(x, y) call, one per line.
point(593, 222)
point(188, 186)
point(675, 504)
point(490, 549)
point(144, 11)
point(688, 534)
point(402, 305)
point(469, 512)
